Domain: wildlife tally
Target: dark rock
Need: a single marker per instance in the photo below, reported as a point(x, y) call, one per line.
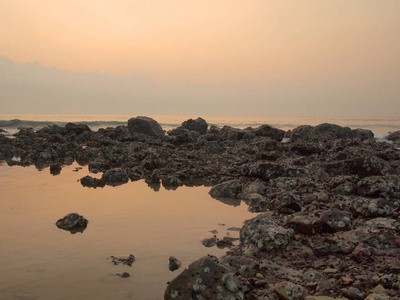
point(269, 131)
point(77, 128)
point(73, 223)
point(199, 125)
point(89, 181)
point(120, 259)
point(171, 182)
point(209, 242)
point(334, 220)
point(174, 263)
point(353, 293)
point(146, 126)
point(229, 189)
point(371, 208)
point(262, 233)
point(206, 278)
point(123, 275)
point(394, 137)
point(290, 291)
point(55, 169)
point(304, 223)
point(115, 177)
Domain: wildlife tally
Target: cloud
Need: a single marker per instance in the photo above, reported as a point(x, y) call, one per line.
point(32, 88)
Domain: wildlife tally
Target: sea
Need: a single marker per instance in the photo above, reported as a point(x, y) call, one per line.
point(379, 126)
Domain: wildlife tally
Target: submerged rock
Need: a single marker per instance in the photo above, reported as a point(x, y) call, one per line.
point(120, 259)
point(73, 223)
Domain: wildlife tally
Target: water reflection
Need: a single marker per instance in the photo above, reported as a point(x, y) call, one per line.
point(130, 218)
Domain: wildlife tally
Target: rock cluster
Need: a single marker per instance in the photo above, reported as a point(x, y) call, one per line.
point(329, 200)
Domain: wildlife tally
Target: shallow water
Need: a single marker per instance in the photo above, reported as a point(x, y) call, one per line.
point(40, 261)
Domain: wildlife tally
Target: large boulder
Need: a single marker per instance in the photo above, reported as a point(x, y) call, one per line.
point(206, 278)
point(269, 131)
point(199, 125)
point(145, 125)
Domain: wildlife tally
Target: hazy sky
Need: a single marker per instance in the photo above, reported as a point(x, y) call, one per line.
point(277, 56)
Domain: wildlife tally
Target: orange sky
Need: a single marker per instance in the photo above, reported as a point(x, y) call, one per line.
point(208, 41)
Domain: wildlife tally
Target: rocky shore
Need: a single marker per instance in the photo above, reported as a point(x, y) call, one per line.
point(329, 199)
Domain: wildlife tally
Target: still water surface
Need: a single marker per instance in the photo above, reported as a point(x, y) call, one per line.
point(40, 261)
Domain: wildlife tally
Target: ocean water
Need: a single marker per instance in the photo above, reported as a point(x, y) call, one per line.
point(380, 126)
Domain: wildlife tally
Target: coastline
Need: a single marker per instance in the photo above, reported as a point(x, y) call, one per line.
point(329, 196)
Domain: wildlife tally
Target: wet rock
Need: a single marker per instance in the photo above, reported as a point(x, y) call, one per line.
point(206, 278)
point(209, 242)
point(229, 189)
point(120, 259)
point(334, 220)
point(146, 126)
point(174, 263)
point(73, 223)
point(55, 169)
point(115, 177)
point(262, 233)
point(290, 291)
point(89, 181)
point(171, 182)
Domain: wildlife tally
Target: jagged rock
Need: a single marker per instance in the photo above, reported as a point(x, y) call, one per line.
point(371, 208)
point(262, 233)
point(146, 126)
point(209, 242)
point(269, 131)
point(304, 223)
point(120, 259)
point(77, 128)
point(229, 189)
point(89, 181)
point(199, 125)
point(334, 220)
point(171, 182)
point(394, 137)
point(206, 278)
point(353, 293)
point(73, 223)
point(115, 177)
point(174, 263)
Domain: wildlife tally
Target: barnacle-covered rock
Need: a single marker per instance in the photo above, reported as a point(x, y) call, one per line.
point(262, 233)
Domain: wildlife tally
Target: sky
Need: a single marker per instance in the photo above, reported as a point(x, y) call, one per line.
point(254, 57)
